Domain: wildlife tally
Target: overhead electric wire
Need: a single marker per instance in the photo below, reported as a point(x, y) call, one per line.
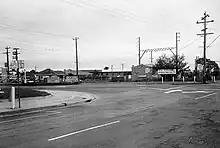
point(189, 43)
point(43, 46)
point(213, 41)
point(106, 10)
point(118, 11)
point(34, 32)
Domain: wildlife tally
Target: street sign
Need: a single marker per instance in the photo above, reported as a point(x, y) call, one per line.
point(147, 70)
point(167, 71)
point(200, 67)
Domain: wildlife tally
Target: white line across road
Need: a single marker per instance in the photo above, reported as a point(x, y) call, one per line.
point(32, 117)
point(84, 130)
point(174, 88)
point(171, 91)
point(192, 92)
point(167, 89)
point(205, 96)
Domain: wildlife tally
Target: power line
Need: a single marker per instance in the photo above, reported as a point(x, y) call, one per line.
point(213, 41)
point(120, 12)
point(108, 11)
point(46, 46)
point(34, 32)
point(189, 43)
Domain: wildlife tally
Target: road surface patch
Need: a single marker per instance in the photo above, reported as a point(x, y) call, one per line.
point(32, 117)
point(84, 130)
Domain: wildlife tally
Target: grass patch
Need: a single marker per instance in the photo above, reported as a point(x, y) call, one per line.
point(23, 93)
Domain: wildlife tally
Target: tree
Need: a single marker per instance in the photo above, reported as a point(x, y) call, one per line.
point(165, 62)
point(106, 68)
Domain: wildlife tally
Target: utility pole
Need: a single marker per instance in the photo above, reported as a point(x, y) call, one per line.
point(204, 22)
point(177, 40)
point(139, 50)
point(77, 63)
point(122, 66)
point(7, 62)
point(35, 69)
point(151, 57)
point(15, 53)
point(112, 68)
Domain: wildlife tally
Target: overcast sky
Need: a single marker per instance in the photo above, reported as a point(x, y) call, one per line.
point(107, 30)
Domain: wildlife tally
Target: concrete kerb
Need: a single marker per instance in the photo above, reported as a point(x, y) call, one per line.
point(19, 112)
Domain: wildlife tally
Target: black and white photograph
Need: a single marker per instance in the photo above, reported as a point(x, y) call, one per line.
point(109, 74)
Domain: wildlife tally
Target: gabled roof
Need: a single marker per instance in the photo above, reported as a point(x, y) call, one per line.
point(47, 72)
point(59, 72)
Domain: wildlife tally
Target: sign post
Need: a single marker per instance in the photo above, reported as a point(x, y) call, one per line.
point(13, 97)
point(167, 71)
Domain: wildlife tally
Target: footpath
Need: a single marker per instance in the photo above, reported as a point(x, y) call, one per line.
point(34, 104)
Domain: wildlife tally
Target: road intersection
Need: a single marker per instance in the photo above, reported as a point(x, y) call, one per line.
point(118, 119)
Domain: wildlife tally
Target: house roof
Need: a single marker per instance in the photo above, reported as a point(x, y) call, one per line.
point(59, 72)
point(47, 72)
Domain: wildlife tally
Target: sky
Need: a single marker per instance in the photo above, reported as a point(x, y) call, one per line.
point(107, 31)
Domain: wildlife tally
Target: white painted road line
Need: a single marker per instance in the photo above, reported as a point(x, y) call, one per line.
point(155, 88)
point(32, 117)
point(163, 89)
point(84, 130)
point(174, 88)
point(171, 91)
point(192, 92)
point(205, 96)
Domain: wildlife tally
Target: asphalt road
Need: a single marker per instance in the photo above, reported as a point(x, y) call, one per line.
point(115, 119)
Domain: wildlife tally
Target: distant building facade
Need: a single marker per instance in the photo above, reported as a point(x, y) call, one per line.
point(141, 72)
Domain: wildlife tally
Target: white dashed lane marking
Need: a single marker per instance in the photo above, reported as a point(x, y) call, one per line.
point(84, 130)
